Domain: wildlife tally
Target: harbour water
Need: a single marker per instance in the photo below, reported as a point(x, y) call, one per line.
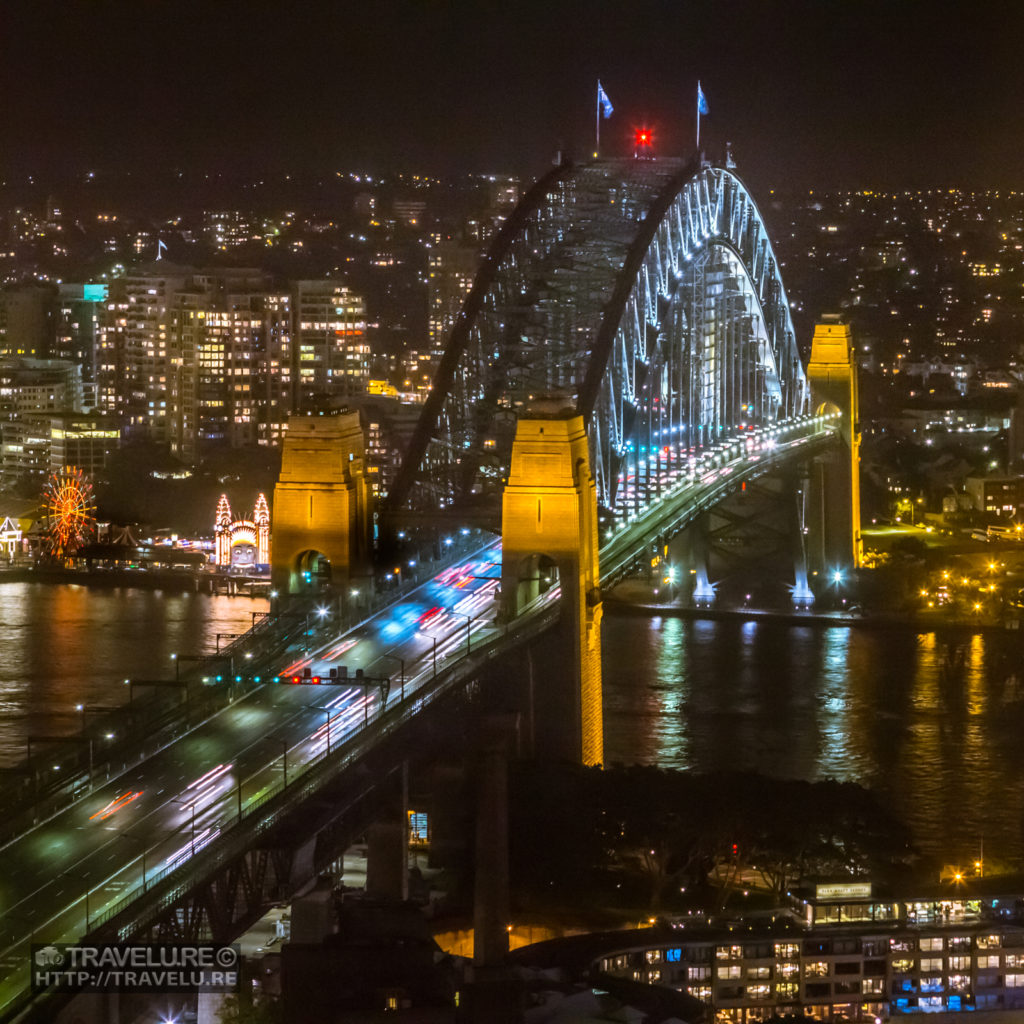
point(933, 721)
point(62, 645)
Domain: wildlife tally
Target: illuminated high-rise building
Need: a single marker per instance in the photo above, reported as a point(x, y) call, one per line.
point(198, 359)
point(331, 349)
point(452, 263)
point(451, 269)
point(231, 362)
point(133, 355)
point(79, 312)
point(27, 318)
point(34, 393)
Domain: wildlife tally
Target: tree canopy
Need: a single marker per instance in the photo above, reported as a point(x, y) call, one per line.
point(656, 830)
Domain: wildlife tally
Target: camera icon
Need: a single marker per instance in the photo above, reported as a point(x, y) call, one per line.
point(49, 956)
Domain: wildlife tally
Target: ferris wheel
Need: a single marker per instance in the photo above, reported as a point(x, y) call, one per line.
point(69, 507)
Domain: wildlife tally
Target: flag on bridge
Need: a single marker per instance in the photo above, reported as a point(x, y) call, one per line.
point(604, 106)
point(702, 108)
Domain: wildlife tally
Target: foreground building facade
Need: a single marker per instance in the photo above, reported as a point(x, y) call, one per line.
point(855, 959)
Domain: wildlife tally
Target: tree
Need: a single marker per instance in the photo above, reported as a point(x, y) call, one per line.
point(262, 1011)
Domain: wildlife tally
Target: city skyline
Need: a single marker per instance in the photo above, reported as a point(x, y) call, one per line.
point(813, 95)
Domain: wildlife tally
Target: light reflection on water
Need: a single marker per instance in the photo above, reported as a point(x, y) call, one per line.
point(63, 645)
point(933, 722)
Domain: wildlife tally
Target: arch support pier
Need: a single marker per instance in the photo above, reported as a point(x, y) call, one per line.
point(834, 500)
point(549, 537)
point(320, 529)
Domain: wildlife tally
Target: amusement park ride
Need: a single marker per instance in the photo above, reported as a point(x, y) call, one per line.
point(243, 541)
point(69, 508)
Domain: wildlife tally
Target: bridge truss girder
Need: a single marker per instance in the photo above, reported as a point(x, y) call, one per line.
point(645, 294)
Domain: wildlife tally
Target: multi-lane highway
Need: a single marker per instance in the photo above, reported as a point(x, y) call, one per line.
point(59, 877)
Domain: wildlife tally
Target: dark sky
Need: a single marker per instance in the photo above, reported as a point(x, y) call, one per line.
point(812, 93)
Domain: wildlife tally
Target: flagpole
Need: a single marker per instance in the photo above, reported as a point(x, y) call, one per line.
point(597, 121)
point(698, 117)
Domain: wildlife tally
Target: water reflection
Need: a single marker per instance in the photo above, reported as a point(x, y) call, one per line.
point(61, 646)
point(930, 720)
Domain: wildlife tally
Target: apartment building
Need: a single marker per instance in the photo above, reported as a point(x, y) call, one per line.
point(853, 959)
point(197, 359)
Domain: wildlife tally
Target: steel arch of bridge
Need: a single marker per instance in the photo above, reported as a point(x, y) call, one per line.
point(646, 295)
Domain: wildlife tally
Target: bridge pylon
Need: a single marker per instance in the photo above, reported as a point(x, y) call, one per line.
point(549, 534)
point(321, 522)
point(834, 531)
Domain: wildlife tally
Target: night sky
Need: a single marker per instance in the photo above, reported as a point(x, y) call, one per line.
point(811, 94)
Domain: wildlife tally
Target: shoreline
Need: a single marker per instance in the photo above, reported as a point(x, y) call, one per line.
point(146, 579)
point(639, 607)
point(188, 580)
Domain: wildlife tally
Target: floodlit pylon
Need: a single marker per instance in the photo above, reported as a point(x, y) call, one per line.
point(69, 508)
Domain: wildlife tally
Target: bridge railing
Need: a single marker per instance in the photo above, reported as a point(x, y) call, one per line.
point(759, 453)
point(261, 814)
point(35, 799)
point(163, 888)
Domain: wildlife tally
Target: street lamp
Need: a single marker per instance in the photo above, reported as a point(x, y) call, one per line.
point(192, 811)
point(401, 670)
point(136, 839)
point(469, 627)
point(321, 612)
point(433, 652)
point(330, 713)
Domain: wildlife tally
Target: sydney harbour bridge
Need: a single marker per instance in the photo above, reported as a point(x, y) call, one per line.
point(647, 293)
point(624, 364)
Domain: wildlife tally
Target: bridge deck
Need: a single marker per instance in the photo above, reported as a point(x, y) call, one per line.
point(136, 846)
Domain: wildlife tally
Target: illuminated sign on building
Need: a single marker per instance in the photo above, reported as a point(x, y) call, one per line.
point(843, 891)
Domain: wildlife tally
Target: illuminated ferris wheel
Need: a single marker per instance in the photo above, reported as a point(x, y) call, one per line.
point(69, 508)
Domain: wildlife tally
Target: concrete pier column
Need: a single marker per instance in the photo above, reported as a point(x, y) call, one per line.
point(494, 995)
point(803, 596)
point(703, 588)
point(549, 525)
point(387, 870)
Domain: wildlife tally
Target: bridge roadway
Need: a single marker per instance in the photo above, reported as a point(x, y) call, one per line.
point(166, 819)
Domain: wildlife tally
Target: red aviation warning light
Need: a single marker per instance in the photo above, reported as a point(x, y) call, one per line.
point(643, 141)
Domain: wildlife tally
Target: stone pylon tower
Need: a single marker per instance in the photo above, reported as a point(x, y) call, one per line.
point(834, 500)
point(549, 524)
point(321, 503)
